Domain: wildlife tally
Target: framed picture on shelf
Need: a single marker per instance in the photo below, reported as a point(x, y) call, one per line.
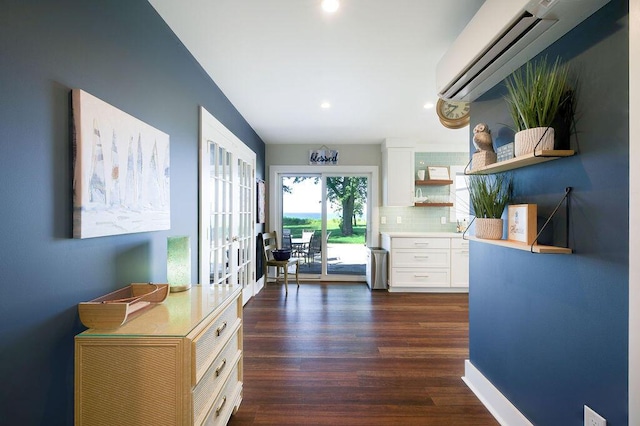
point(438, 173)
point(522, 223)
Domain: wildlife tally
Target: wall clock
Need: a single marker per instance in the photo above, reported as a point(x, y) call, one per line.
point(453, 114)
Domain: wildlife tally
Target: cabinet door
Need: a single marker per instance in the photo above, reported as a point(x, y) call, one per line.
point(397, 176)
point(459, 263)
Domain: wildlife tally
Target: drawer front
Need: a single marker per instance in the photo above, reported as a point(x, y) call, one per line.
point(420, 277)
point(213, 380)
point(221, 410)
point(420, 243)
point(459, 243)
point(208, 343)
point(421, 258)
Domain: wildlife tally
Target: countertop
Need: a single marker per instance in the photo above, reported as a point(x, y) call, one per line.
point(423, 234)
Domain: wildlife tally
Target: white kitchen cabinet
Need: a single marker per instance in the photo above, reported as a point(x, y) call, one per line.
point(427, 262)
point(459, 263)
point(397, 174)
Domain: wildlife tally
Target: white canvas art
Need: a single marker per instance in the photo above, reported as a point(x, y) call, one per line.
point(121, 171)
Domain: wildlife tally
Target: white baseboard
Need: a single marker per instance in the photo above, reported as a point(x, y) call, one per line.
point(498, 405)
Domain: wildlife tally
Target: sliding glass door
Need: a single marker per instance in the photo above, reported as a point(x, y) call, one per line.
point(327, 219)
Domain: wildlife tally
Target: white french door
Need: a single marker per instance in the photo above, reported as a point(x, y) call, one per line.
point(227, 208)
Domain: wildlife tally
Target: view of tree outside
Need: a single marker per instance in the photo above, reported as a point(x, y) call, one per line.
point(346, 196)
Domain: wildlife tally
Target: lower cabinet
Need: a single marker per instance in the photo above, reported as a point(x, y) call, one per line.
point(427, 263)
point(180, 363)
point(459, 263)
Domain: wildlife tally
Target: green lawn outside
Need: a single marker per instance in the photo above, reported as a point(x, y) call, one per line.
point(298, 225)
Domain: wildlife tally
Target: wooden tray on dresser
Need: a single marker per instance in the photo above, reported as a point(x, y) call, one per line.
point(114, 309)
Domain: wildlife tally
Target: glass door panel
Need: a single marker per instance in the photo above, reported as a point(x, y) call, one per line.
point(220, 271)
point(301, 217)
point(346, 225)
point(245, 234)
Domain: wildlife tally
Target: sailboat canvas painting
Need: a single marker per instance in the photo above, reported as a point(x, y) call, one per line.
point(121, 171)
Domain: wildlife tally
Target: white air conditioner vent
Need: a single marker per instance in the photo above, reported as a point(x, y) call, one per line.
point(501, 37)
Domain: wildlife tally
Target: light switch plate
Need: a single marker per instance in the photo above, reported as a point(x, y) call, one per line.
point(591, 418)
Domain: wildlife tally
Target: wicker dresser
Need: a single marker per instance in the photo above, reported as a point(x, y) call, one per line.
point(180, 363)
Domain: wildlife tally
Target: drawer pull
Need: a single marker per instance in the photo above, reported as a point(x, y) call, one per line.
point(421, 244)
point(421, 276)
point(222, 365)
point(420, 257)
point(221, 328)
point(219, 409)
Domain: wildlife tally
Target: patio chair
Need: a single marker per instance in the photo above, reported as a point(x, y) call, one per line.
point(306, 236)
point(270, 243)
point(315, 245)
point(286, 239)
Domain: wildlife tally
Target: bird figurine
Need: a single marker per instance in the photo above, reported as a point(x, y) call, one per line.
point(482, 138)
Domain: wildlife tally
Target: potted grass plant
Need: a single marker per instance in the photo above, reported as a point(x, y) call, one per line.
point(540, 96)
point(489, 195)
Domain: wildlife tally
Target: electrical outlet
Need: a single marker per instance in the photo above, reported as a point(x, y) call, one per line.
point(591, 418)
point(398, 219)
point(383, 220)
point(443, 220)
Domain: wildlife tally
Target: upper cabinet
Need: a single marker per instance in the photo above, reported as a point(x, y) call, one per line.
point(397, 173)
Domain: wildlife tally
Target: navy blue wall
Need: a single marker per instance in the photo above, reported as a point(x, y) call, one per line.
point(123, 53)
point(551, 331)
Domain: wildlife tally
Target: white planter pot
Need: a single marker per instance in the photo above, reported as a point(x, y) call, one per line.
point(488, 229)
point(526, 140)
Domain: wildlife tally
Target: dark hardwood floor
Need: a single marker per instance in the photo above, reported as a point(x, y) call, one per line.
point(339, 354)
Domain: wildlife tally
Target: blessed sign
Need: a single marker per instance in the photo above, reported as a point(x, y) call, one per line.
point(323, 157)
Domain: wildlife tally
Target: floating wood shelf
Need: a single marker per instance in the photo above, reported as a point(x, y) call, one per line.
point(522, 161)
point(536, 248)
point(434, 182)
point(433, 204)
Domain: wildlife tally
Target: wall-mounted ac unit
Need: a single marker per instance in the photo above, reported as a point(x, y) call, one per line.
point(501, 37)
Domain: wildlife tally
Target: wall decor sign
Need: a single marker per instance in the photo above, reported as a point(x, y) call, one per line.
point(323, 157)
point(121, 171)
point(438, 173)
point(522, 223)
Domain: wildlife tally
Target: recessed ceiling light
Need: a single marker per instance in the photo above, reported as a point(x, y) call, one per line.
point(325, 105)
point(330, 6)
point(428, 105)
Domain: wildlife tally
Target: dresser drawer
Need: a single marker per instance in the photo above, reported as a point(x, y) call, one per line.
point(214, 379)
point(421, 258)
point(420, 277)
point(209, 342)
point(225, 402)
point(420, 243)
point(459, 243)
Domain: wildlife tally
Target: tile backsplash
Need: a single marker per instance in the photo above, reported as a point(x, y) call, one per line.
point(425, 219)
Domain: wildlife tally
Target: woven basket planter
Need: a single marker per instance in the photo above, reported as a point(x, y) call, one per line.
point(488, 229)
point(525, 141)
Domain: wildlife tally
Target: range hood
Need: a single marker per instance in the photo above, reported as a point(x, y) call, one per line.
point(501, 37)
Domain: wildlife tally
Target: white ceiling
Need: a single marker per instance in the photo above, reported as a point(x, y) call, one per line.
point(373, 60)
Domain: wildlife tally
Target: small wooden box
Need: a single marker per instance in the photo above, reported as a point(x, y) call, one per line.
point(483, 158)
point(522, 223)
point(114, 309)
